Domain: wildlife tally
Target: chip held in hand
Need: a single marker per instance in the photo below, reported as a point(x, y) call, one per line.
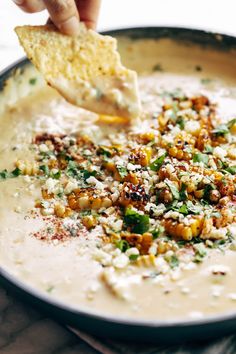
point(86, 70)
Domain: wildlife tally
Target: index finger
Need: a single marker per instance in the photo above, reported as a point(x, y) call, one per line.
point(64, 14)
point(88, 11)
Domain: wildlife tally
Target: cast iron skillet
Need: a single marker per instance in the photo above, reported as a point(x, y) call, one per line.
point(110, 326)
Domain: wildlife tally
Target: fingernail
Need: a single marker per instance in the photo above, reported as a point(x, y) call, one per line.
point(70, 26)
point(18, 2)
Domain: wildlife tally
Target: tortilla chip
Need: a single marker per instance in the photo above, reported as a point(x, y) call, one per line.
point(85, 69)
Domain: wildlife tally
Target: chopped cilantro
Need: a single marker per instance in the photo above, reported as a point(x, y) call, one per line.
point(133, 257)
point(193, 208)
point(231, 169)
point(74, 171)
point(45, 169)
point(231, 122)
point(199, 157)
point(156, 165)
point(181, 122)
point(221, 130)
point(33, 80)
point(207, 189)
point(157, 232)
point(107, 151)
point(16, 172)
point(200, 252)
point(4, 174)
point(122, 171)
point(56, 175)
point(46, 154)
point(188, 208)
point(47, 172)
point(123, 245)
point(174, 191)
point(219, 243)
point(139, 223)
point(50, 289)
point(173, 261)
point(12, 174)
point(208, 149)
point(183, 193)
point(86, 174)
point(183, 209)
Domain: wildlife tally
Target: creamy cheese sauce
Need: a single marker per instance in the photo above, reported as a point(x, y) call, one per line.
point(68, 270)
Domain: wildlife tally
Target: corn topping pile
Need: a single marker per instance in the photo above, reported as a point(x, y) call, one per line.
point(167, 189)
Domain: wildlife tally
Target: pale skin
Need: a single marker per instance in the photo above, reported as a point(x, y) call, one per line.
point(65, 14)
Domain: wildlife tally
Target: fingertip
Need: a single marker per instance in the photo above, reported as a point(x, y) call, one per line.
point(70, 26)
point(90, 24)
point(29, 6)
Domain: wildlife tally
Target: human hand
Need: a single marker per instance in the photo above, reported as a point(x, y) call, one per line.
point(65, 14)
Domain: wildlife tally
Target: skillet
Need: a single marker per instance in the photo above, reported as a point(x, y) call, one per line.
point(109, 326)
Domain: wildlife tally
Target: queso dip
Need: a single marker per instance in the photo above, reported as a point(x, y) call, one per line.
point(134, 221)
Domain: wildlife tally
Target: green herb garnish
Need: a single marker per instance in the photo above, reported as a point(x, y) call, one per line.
point(106, 151)
point(157, 232)
point(231, 169)
point(174, 190)
point(208, 149)
point(12, 174)
point(156, 165)
point(122, 171)
point(183, 193)
point(199, 157)
point(181, 122)
point(74, 171)
point(207, 189)
point(231, 122)
point(183, 209)
point(193, 208)
point(200, 252)
point(86, 174)
point(221, 130)
point(50, 289)
point(173, 261)
point(44, 169)
point(47, 172)
point(139, 223)
point(33, 81)
point(133, 257)
point(123, 245)
point(186, 209)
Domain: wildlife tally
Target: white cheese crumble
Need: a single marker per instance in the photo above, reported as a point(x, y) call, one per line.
point(132, 251)
point(52, 186)
point(71, 185)
point(192, 126)
point(219, 152)
point(43, 148)
point(94, 181)
point(120, 261)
